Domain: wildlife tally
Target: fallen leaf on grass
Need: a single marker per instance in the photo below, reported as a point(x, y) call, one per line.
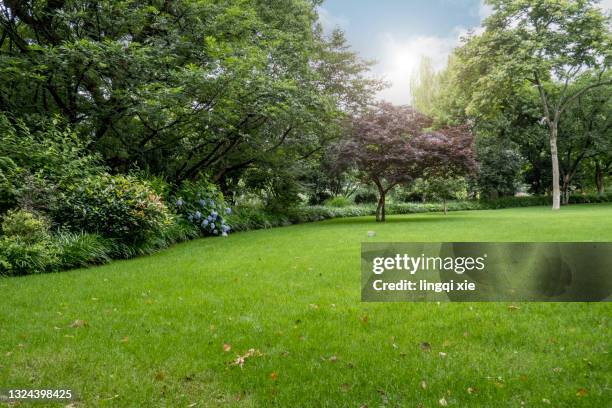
point(425, 346)
point(345, 387)
point(273, 376)
point(423, 384)
point(546, 401)
point(557, 370)
point(160, 376)
point(125, 339)
point(364, 319)
point(581, 392)
point(443, 402)
point(443, 354)
point(240, 360)
point(513, 308)
point(333, 359)
point(227, 347)
point(470, 390)
point(78, 323)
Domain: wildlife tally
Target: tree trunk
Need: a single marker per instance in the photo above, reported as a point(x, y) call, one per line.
point(556, 191)
point(445, 206)
point(599, 178)
point(565, 188)
point(380, 210)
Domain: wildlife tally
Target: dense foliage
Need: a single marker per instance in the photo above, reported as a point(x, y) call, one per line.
point(391, 145)
point(127, 126)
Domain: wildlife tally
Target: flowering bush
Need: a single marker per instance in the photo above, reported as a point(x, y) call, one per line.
point(119, 207)
point(202, 204)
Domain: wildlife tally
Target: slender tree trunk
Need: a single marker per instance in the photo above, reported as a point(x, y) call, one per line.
point(445, 206)
point(599, 178)
point(380, 210)
point(556, 191)
point(565, 189)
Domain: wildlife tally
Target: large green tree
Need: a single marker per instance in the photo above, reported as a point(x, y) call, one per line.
point(181, 87)
point(545, 43)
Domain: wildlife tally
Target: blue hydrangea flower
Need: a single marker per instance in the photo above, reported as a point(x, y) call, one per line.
point(214, 214)
point(212, 225)
point(202, 203)
point(216, 232)
point(228, 211)
point(197, 215)
point(204, 223)
point(179, 202)
point(209, 218)
point(190, 218)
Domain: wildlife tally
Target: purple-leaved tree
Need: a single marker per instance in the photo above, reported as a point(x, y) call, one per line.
point(391, 145)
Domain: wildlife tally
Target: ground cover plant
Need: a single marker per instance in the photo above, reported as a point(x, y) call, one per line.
point(273, 317)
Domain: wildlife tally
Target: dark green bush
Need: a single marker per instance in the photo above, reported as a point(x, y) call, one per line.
point(512, 202)
point(36, 164)
point(118, 207)
point(365, 197)
point(590, 198)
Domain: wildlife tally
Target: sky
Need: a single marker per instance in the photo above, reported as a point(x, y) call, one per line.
point(397, 33)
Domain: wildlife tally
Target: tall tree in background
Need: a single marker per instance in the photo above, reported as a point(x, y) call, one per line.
point(424, 86)
point(585, 131)
point(547, 43)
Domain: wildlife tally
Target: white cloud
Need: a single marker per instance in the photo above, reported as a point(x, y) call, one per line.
point(606, 5)
point(401, 58)
point(329, 21)
point(484, 10)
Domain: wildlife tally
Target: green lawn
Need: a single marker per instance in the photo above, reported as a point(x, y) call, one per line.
point(155, 327)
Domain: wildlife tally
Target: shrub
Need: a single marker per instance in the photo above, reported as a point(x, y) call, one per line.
point(79, 249)
point(119, 207)
point(26, 246)
point(366, 197)
point(18, 257)
point(202, 205)
point(28, 226)
point(36, 163)
point(338, 201)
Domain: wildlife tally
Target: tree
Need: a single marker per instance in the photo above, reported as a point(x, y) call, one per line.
point(585, 132)
point(443, 188)
point(424, 87)
point(181, 87)
point(547, 43)
point(391, 145)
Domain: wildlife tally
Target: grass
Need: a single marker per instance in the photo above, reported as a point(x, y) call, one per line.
point(155, 327)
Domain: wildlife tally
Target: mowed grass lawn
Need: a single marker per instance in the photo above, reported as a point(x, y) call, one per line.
point(152, 330)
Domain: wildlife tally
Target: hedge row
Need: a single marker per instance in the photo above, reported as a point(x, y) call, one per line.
point(251, 218)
